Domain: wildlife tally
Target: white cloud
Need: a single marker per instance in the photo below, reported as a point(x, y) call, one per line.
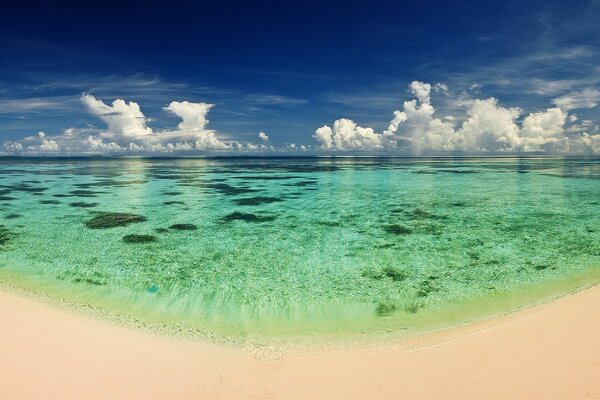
point(263, 136)
point(487, 126)
point(586, 98)
point(346, 135)
point(123, 119)
point(47, 144)
point(415, 128)
point(544, 124)
point(127, 132)
point(193, 115)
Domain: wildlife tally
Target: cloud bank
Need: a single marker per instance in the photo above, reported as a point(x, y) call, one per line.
point(486, 126)
point(127, 131)
point(479, 125)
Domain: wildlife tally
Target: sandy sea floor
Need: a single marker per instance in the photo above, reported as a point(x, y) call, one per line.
point(549, 351)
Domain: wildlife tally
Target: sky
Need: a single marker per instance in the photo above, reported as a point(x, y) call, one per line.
point(351, 77)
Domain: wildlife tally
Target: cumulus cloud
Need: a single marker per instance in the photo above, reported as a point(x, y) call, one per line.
point(486, 126)
point(263, 136)
point(346, 135)
point(127, 131)
point(123, 119)
point(193, 115)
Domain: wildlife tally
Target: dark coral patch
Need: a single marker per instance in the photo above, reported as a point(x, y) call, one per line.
point(256, 201)
point(396, 229)
point(109, 182)
point(183, 227)
point(329, 223)
point(385, 309)
point(112, 220)
point(419, 214)
point(13, 216)
point(49, 202)
point(386, 272)
point(427, 287)
point(133, 238)
point(238, 216)
point(229, 190)
point(302, 183)
point(172, 202)
point(458, 171)
point(84, 193)
point(95, 278)
point(6, 236)
point(24, 187)
point(268, 177)
point(82, 204)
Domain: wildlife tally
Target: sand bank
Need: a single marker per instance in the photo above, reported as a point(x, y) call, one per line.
point(546, 352)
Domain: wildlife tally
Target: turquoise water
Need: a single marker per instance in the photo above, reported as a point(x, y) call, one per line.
point(241, 247)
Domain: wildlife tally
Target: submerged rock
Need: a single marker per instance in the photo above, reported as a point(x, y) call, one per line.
point(168, 203)
point(258, 200)
point(239, 216)
point(396, 229)
point(385, 309)
point(49, 202)
point(133, 238)
point(229, 190)
point(6, 236)
point(183, 227)
point(83, 204)
point(112, 220)
point(386, 272)
point(84, 193)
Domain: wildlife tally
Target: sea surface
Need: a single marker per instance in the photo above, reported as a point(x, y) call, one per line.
point(249, 247)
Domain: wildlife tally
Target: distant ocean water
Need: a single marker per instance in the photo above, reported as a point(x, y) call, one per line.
point(264, 246)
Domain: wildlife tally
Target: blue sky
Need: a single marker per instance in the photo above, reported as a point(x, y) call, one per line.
point(287, 69)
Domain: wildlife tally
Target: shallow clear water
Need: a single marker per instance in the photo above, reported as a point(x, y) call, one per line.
point(295, 246)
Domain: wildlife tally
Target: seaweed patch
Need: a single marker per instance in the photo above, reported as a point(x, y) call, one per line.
point(49, 201)
point(134, 238)
point(229, 190)
point(111, 220)
point(6, 235)
point(385, 309)
point(395, 274)
point(396, 229)
point(239, 216)
point(258, 200)
point(82, 204)
point(183, 227)
point(84, 193)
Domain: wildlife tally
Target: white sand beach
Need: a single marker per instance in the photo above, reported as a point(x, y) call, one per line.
point(549, 351)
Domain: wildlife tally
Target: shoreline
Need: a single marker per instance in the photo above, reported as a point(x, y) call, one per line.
point(549, 350)
point(506, 306)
